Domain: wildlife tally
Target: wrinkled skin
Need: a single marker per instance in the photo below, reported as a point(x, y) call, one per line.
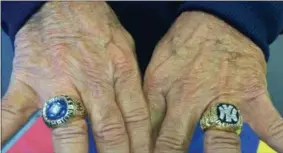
point(80, 50)
point(202, 61)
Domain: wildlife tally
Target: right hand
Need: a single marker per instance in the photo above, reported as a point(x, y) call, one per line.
point(79, 49)
point(202, 61)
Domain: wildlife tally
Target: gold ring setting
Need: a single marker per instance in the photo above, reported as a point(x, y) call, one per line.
point(222, 116)
point(60, 110)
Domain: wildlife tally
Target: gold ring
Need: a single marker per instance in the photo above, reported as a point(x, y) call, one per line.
point(59, 110)
point(222, 116)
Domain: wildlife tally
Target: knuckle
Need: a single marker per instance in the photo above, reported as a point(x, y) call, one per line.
point(10, 113)
point(96, 74)
point(111, 132)
point(253, 91)
point(95, 87)
point(219, 140)
point(15, 109)
point(74, 132)
point(137, 115)
point(125, 67)
point(130, 38)
point(124, 40)
point(170, 142)
point(126, 71)
point(253, 84)
point(152, 80)
point(253, 79)
point(275, 130)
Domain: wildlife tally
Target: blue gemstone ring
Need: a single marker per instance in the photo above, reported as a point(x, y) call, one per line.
point(59, 110)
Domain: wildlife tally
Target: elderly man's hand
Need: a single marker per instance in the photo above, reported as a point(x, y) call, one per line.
point(80, 50)
point(202, 61)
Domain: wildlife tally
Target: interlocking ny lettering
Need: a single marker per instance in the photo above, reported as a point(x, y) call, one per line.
point(228, 112)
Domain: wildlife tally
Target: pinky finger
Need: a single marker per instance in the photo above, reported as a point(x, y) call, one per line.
point(18, 104)
point(265, 120)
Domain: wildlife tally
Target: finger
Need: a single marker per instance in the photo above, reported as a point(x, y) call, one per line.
point(18, 104)
point(265, 120)
point(107, 122)
point(216, 141)
point(179, 122)
point(72, 137)
point(132, 103)
point(219, 141)
point(156, 104)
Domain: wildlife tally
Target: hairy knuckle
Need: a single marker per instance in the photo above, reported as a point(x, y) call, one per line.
point(74, 132)
point(171, 142)
point(110, 132)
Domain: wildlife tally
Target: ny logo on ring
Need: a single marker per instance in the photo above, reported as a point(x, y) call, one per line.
point(227, 113)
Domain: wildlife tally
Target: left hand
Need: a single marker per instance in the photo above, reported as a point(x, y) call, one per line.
point(79, 49)
point(201, 61)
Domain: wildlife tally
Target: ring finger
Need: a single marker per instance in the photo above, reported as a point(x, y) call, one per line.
point(73, 136)
point(221, 122)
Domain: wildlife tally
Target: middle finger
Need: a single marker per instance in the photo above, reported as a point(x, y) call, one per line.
point(107, 123)
point(179, 122)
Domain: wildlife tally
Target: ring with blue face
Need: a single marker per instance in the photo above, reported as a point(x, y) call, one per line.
point(59, 110)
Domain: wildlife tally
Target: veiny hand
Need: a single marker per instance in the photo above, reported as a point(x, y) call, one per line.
point(79, 49)
point(199, 62)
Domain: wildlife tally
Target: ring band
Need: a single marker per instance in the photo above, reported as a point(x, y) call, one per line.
point(59, 110)
point(222, 116)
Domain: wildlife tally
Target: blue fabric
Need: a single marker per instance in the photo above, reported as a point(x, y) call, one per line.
point(249, 140)
point(15, 14)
